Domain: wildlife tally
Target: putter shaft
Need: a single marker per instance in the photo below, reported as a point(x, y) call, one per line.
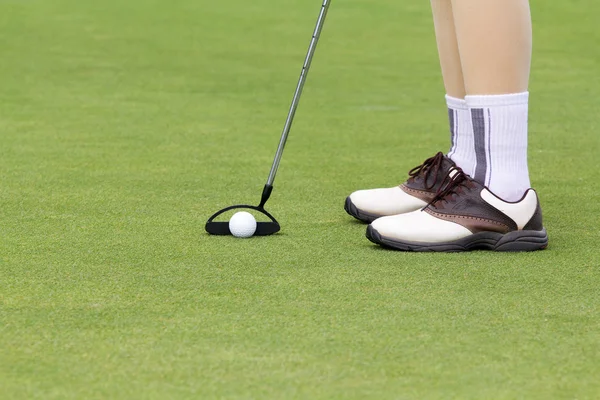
point(296, 99)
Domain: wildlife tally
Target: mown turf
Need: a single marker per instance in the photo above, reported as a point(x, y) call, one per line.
point(124, 125)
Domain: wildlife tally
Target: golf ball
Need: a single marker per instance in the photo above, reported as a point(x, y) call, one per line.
point(242, 224)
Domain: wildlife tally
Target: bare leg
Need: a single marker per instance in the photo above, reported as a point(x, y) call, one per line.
point(494, 38)
point(448, 48)
point(494, 41)
point(461, 133)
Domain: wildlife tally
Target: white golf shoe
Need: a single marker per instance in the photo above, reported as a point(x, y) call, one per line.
point(421, 187)
point(465, 216)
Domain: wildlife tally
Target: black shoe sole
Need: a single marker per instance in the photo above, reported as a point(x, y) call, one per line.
point(356, 213)
point(512, 241)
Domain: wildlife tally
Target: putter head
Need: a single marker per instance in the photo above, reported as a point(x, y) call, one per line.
point(262, 228)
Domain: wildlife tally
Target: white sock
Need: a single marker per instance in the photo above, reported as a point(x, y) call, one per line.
point(461, 135)
point(500, 135)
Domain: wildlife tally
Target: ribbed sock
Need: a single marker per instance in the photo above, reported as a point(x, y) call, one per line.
point(461, 135)
point(500, 141)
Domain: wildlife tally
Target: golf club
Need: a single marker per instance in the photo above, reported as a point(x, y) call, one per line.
point(268, 228)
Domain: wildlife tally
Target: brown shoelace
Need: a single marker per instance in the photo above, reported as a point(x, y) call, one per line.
point(431, 167)
point(451, 188)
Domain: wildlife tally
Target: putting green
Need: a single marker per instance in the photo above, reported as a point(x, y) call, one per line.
point(125, 125)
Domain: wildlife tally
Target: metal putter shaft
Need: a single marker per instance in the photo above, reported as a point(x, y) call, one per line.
point(296, 100)
point(269, 228)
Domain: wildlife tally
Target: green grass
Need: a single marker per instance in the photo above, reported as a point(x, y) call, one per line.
point(125, 124)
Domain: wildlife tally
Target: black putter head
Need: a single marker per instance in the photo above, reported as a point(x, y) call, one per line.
point(262, 228)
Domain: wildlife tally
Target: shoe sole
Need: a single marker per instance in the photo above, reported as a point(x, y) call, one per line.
point(510, 242)
point(358, 214)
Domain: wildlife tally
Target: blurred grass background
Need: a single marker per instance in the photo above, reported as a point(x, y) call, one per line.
point(125, 125)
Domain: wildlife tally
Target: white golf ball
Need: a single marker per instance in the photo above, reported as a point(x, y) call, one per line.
point(242, 224)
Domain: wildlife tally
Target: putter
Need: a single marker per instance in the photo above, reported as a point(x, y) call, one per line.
point(268, 228)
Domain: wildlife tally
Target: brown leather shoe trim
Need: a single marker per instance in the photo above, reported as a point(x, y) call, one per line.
point(474, 224)
point(424, 195)
point(535, 223)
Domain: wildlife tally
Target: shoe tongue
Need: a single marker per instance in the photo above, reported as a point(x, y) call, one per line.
point(447, 163)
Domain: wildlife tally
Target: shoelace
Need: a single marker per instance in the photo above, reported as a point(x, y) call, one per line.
point(430, 167)
point(451, 187)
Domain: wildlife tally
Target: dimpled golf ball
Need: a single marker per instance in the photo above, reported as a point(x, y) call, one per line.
point(242, 224)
